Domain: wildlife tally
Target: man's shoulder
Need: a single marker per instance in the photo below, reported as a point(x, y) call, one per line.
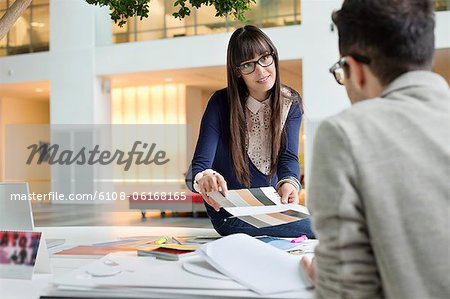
point(357, 112)
point(401, 101)
point(365, 119)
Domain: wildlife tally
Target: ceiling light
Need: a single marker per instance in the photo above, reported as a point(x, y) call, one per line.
point(37, 24)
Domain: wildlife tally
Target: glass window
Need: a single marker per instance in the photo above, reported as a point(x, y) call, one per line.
point(121, 34)
point(3, 47)
point(153, 26)
point(39, 2)
point(30, 33)
point(289, 12)
point(132, 28)
point(161, 23)
point(3, 6)
point(176, 27)
point(441, 5)
point(269, 13)
point(252, 15)
point(208, 23)
point(19, 35)
point(39, 28)
point(126, 33)
point(297, 12)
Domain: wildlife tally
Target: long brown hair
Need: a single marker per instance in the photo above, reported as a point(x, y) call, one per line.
point(244, 44)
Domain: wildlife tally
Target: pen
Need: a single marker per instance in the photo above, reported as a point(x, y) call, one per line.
point(176, 240)
point(161, 240)
point(299, 239)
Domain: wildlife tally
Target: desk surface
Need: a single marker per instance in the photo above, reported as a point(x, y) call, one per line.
point(39, 285)
point(83, 235)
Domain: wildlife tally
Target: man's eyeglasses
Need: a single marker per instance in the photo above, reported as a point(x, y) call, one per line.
point(249, 67)
point(338, 68)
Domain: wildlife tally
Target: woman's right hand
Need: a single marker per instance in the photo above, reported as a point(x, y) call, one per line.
point(211, 183)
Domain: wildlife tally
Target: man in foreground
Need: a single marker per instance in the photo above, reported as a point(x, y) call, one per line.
point(379, 191)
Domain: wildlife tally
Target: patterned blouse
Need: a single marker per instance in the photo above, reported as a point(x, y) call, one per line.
point(258, 129)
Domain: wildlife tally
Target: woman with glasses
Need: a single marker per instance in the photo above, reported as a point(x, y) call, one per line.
point(249, 135)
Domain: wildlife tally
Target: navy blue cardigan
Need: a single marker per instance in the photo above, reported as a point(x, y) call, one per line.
point(213, 146)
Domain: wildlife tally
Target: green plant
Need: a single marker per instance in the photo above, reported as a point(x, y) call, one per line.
point(121, 10)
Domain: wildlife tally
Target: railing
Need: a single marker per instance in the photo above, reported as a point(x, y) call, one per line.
point(161, 24)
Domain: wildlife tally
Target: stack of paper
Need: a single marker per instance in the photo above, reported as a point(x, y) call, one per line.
point(255, 264)
point(235, 266)
point(127, 271)
point(260, 207)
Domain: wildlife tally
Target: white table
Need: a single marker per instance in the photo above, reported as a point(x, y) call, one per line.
point(39, 285)
point(80, 235)
point(83, 235)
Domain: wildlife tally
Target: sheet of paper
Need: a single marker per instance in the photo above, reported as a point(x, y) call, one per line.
point(140, 272)
point(255, 264)
point(200, 266)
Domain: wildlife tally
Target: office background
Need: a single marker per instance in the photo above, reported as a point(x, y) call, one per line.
point(65, 62)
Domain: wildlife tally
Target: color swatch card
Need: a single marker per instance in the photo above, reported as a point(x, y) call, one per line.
point(260, 207)
point(22, 253)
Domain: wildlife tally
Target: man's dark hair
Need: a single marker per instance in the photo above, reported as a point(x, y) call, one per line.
point(397, 35)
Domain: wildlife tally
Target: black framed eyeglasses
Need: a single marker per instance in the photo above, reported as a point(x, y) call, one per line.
point(249, 67)
point(338, 68)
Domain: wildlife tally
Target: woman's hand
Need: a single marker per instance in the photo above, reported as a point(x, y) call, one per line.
point(310, 267)
point(288, 193)
point(211, 183)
